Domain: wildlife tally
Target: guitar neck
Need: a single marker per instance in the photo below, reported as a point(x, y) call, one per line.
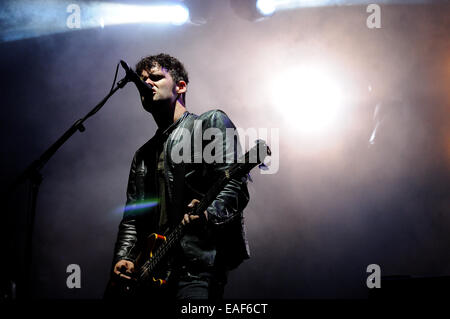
point(239, 169)
point(175, 235)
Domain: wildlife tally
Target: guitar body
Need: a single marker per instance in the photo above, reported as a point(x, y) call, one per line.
point(154, 241)
point(121, 288)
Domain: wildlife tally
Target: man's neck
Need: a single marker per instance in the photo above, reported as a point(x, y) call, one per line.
point(173, 114)
point(179, 111)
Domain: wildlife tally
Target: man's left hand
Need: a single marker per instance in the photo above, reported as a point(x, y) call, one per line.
point(188, 218)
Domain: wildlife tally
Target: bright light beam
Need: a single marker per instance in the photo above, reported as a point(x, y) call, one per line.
point(309, 98)
point(137, 207)
point(268, 7)
point(22, 19)
point(114, 13)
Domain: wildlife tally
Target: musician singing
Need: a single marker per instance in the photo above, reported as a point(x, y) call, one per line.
point(162, 193)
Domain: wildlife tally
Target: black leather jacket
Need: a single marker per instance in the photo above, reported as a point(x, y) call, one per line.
point(225, 214)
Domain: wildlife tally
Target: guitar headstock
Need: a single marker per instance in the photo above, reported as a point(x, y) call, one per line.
point(258, 153)
point(254, 157)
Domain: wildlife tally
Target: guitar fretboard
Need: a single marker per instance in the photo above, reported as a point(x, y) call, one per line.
point(239, 169)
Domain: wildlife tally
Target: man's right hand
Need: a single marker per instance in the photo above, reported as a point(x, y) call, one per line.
point(124, 268)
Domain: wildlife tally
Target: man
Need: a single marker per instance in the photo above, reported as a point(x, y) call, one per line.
point(215, 242)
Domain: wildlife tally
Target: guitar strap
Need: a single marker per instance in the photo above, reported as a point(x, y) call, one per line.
point(177, 208)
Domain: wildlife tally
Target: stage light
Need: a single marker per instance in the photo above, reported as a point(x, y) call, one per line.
point(309, 98)
point(29, 19)
point(266, 7)
point(115, 13)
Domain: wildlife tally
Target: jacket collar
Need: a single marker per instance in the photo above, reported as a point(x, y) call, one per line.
point(160, 133)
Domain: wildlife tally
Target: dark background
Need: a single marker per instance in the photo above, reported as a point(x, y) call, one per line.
point(336, 204)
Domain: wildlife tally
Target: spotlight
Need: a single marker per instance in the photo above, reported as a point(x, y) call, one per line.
point(29, 19)
point(309, 97)
point(266, 7)
point(115, 13)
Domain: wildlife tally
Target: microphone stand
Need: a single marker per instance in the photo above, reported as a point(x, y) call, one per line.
point(32, 173)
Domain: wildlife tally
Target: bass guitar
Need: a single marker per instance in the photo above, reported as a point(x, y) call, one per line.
point(158, 247)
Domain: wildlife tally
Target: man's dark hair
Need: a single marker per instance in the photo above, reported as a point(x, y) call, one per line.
point(174, 66)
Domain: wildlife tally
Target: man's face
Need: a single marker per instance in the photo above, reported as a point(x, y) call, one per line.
point(164, 88)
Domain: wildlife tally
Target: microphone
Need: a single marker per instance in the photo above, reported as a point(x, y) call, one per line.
point(144, 88)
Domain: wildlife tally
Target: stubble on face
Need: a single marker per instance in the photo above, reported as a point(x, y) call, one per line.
point(163, 86)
